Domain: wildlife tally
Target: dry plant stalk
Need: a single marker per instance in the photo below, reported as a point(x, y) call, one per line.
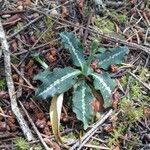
point(10, 85)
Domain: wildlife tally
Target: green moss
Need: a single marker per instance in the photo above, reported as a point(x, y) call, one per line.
point(86, 10)
point(37, 147)
point(135, 90)
point(114, 139)
point(104, 25)
point(143, 73)
point(131, 113)
point(70, 135)
point(14, 59)
point(134, 87)
point(94, 142)
point(148, 4)
point(122, 18)
point(48, 33)
point(124, 80)
point(21, 144)
point(2, 84)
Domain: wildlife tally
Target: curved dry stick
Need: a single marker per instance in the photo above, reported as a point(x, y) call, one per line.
point(10, 85)
point(79, 144)
point(35, 128)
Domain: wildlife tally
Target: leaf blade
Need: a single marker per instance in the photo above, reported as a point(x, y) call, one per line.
point(55, 113)
point(82, 99)
point(75, 48)
point(113, 56)
point(105, 84)
point(56, 82)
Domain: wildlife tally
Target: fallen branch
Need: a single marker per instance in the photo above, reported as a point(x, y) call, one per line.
point(35, 128)
point(91, 29)
point(19, 73)
point(11, 88)
point(79, 144)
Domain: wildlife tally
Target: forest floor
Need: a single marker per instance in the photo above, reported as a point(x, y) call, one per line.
point(32, 27)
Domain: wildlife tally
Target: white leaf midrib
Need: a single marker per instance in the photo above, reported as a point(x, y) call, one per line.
point(58, 81)
point(74, 51)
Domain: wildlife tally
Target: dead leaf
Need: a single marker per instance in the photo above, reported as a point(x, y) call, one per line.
point(12, 126)
point(96, 105)
point(3, 126)
point(4, 94)
point(53, 51)
point(115, 99)
point(30, 64)
point(46, 130)
point(50, 57)
point(11, 121)
point(14, 46)
point(24, 3)
point(108, 128)
point(56, 146)
point(15, 77)
point(113, 68)
point(64, 12)
point(117, 148)
point(30, 72)
point(147, 112)
point(41, 123)
point(40, 115)
point(98, 101)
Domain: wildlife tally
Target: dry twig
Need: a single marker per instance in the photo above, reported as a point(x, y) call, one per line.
point(11, 88)
point(90, 133)
point(139, 80)
point(35, 128)
point(91, 29)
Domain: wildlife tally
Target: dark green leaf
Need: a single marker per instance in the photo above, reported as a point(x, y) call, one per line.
point(75, 48)
point(93, 50)
point(94, 47)
point(106, 85)
point(101, 50)
point(82, 99)
point(56, 82)
point(113, 56)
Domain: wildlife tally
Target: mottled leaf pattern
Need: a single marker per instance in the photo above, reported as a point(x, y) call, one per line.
point(75, 48)
point(82, 99)
point(105, 84)
point(113, 56)
point(56, 82)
